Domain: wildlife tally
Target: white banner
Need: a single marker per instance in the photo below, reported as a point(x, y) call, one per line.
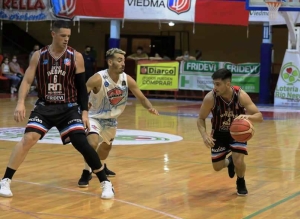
point(170, 10)
point(287, 92)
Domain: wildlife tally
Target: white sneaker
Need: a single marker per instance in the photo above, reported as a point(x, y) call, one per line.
point(12, 90)
point(107, 190)
point(5, 188)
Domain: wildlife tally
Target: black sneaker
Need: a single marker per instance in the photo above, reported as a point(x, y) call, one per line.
point(108, 172)
point(230, 167)
point(86, 176)
point(241, 186)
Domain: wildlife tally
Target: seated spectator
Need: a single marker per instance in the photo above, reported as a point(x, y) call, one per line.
point(15, 68)
point(156, 57)
point(12, 76)
point(140, 54)
point(186, 57)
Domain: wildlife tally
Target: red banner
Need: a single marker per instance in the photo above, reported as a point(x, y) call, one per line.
point(230, 12)
point(221, 12)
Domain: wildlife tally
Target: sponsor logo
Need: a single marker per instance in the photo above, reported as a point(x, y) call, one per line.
point(55, 97)
point(158, 70)
point(123, 136)
point(115, 96)
point(45, 62)
point(179, 6)
point(63, 8)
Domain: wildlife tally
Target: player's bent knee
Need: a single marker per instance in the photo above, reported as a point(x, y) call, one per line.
point(218, 165)
point(93, 140)
point(105, 146)
point(238, 159)
point(30, 139)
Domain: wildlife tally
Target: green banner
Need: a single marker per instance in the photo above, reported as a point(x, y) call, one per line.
point(196, 75)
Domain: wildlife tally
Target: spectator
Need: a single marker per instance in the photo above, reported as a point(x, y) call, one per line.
point(12, 76)
point(140, 54)
point(89, 63)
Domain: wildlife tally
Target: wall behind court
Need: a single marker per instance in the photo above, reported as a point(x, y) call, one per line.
point(217, 42)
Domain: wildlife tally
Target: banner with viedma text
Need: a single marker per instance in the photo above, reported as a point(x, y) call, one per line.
point(196, 75)
point(157, 75)
point(171, 10)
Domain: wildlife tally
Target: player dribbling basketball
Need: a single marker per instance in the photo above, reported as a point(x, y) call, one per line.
point(227, 103)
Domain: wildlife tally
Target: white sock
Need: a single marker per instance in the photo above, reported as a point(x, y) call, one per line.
point(87, 167)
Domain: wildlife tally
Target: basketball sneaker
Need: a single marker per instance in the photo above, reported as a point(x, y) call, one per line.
point(107, 190)
point(241, 186)
point(86, 176)
point(108, 172)
point(230, 167)
point(5, 188)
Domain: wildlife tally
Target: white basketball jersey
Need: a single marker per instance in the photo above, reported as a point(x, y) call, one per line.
point(111, 100)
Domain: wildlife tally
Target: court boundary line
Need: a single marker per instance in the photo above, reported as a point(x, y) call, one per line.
point(96, 195)
point(275, 204)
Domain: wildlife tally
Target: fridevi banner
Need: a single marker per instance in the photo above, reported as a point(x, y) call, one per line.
point(196, 75)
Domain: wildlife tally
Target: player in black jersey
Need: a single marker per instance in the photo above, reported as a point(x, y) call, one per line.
point(227, 103)
point(62, 103)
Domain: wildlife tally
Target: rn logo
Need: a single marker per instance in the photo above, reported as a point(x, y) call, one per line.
point(115, 96)
point(54, 87)
point(63, 8)
point(179, 6)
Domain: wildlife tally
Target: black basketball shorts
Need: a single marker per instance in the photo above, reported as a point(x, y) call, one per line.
point(224, 144)
point(66, 118)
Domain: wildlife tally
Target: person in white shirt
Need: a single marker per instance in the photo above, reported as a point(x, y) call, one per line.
point(108, 97)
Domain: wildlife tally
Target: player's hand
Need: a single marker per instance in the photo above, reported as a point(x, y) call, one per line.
point(153, 111)
point(209, 141)
point(85, 120)
point(243, 117)
point(20, 111)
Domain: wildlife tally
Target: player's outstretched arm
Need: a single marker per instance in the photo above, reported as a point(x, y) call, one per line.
point(28, 78)
point(253, 114)
point(206, 106)
point(133, 87)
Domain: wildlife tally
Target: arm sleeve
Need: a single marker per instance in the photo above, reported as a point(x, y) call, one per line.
point(82, 95)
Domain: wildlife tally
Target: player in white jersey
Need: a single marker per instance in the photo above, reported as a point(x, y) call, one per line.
point(108, 97)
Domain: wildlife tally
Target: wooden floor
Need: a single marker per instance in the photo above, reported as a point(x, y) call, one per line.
point(156, 181)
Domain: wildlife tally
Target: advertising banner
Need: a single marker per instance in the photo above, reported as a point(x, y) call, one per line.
point(287, 92)
point(196, 75)
point(172, 10)
point(157, 75)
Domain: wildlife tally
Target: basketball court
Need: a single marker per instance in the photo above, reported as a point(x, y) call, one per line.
point(158, 175)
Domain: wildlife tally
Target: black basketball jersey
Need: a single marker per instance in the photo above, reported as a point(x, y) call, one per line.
point(225, 112)
point(56, 77)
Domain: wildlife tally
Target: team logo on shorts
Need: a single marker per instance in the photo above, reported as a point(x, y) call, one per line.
point(179, 6)
point(115, 96)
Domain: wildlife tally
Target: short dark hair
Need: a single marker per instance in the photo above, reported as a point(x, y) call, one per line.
point(61, 24)
point(222, 74)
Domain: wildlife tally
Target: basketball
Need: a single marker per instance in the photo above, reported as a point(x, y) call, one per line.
point(241, 130)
